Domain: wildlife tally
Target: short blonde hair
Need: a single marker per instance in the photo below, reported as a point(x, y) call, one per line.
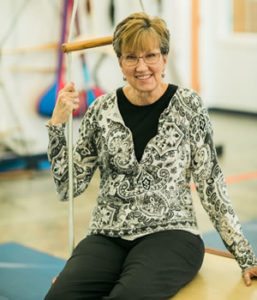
point(139, 31)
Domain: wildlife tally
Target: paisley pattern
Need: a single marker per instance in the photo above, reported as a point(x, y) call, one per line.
point(136, 198)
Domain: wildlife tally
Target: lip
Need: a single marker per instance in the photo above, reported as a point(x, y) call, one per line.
point(143, 77)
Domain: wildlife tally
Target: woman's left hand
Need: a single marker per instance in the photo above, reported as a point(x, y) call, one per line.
point(248, 274)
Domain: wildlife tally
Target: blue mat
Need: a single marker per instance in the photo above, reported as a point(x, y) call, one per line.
point(213, 240)
point(26, 274)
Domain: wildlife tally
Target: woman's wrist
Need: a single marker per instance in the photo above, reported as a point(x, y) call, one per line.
point(53, 122)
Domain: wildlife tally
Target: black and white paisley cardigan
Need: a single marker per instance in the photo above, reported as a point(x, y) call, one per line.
point(137, 198)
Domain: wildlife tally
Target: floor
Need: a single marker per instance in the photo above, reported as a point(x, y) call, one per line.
point(31, 214)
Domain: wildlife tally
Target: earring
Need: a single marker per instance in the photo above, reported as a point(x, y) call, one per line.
point(163, 75)
point(124, 78)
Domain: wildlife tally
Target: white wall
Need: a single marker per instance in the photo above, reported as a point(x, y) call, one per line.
point(228, 60)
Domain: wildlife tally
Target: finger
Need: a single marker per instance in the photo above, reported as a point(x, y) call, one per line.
point(73, 104)
point(72, 100)
point(70, 87)
point(69, 95)
point(247, 278)
point(67, 98)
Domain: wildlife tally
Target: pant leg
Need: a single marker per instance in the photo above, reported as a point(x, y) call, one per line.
point(159, 266)
point(91, 272)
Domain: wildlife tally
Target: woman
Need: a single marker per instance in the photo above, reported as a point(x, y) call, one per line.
point(148, 139)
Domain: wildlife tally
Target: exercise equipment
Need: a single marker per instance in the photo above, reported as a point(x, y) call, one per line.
point(86, 44)
point(91, 90)
point(218, 279)
point(68, 48)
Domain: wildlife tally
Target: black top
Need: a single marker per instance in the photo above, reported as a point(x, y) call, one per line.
point(143, 120)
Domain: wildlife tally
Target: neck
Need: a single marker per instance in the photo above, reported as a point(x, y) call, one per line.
point(141, 98)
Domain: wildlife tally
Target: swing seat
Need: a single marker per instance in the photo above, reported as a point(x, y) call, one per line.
point(218, 279)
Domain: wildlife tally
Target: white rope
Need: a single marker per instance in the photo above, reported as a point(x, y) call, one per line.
point(142, 5)
point(70, 137)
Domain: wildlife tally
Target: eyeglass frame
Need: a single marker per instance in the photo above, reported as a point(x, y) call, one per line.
point(143, 57)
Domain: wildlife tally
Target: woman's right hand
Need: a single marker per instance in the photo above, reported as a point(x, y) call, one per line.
point(67, 101)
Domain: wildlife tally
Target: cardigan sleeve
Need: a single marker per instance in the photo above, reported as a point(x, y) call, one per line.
point(212, 189)
point(84, 157)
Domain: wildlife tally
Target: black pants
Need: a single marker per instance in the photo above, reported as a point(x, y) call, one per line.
point(152, 267)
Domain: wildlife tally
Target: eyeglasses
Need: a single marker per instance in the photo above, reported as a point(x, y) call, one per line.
point(131, 60)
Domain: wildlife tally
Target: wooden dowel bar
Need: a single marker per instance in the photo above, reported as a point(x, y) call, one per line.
point(91, 43)
point(219, 252)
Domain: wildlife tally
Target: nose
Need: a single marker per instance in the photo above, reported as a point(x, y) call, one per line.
point(141, 62)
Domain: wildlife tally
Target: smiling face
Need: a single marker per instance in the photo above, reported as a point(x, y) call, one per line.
point(143, 68)
point(141, 43)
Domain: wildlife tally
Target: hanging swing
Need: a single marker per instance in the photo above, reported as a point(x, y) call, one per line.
point(46, 102)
